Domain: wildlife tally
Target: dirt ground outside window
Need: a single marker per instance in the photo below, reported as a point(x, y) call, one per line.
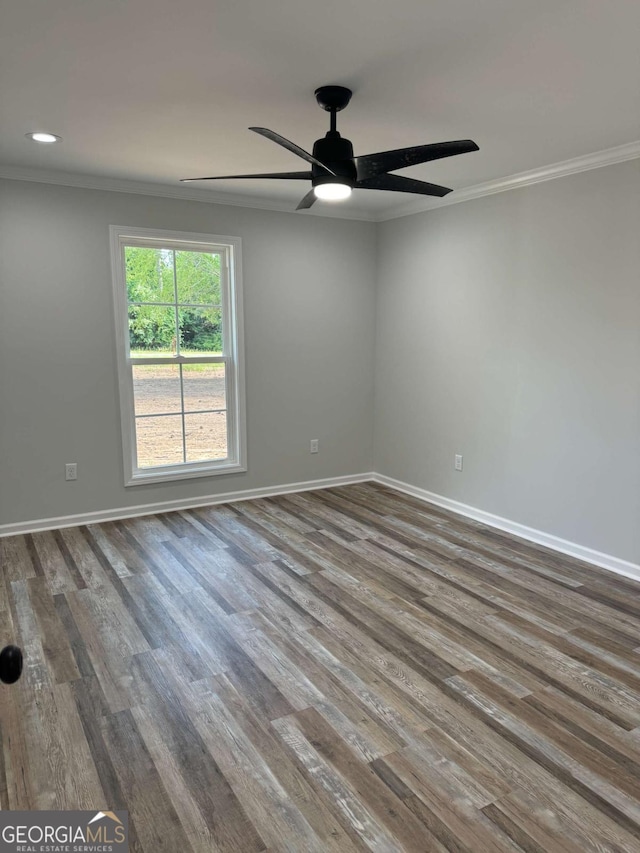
point(157, 393)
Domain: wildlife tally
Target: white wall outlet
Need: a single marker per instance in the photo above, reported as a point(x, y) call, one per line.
point(458, 462)
point(71, 471)
point(314, 445)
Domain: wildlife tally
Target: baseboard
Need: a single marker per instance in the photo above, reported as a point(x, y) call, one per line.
point(170, 506)
point(555, 543)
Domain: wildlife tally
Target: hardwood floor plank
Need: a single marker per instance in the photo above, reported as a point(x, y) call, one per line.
point(107, 555)
point(596, 689)
point(18, 734)
point(34, 557)
point(274, 601)
point(55, 568)
point(397, 710)
point(569, 678)
point(72, 769)
point(344, 710)
point(299, 788)
point(286, 545)
point(69, 560)
point(275, 816)
point(167, 719)
point(353, 813)
point(89, 700)
point(457, 582)
point(609, 799)
point(89, 567)
point(556, 830)
point(55, 641)
point(343, 670)
point(109, 666)
point(392, 636)
point(387, 808)
point(148, 802)
point(452, 821)
point(4, 785)
point(536, 839)
point(28, 637)
point(155, 556)
point(589, 726)
point(592, 656)
point(236, 530)
point(186, 555)
point(312, 512)
point(189, 814)
point(261, 694)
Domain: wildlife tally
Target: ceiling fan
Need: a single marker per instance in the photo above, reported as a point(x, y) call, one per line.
point(335, 172)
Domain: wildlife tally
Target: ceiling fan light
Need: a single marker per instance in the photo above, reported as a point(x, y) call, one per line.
point(332, 192)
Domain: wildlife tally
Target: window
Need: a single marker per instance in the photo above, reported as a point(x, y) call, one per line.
point(179, 337)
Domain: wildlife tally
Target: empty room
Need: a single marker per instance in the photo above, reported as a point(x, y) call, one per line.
point(320, 426)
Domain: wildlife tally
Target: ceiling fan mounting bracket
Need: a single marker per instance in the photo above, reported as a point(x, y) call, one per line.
point(333, 98)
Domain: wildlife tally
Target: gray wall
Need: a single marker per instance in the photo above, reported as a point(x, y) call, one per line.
point(309, 317)
point(508, 330)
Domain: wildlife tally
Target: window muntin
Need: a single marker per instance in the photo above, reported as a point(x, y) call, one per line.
point(179, 335)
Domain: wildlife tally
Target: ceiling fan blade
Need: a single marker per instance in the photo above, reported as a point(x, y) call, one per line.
point(307, 201)
point(290, 146)
point(370, 165)
point(400, 184)
point(290, 176)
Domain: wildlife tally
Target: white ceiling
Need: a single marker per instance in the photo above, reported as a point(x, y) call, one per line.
point(156, 90)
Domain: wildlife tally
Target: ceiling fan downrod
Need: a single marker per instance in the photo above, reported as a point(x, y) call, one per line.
point(339, 176)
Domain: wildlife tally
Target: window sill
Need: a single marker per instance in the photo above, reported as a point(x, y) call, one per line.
point(167, 475)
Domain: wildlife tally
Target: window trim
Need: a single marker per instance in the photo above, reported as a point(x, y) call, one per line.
point(121, 236)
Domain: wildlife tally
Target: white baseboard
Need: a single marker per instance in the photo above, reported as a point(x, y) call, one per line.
point(555, 543)
point(170, 506)
point(588, 555)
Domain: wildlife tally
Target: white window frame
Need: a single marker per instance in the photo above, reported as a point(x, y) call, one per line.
point(232, 358)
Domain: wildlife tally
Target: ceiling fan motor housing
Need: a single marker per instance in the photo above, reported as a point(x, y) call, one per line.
point(337, 154)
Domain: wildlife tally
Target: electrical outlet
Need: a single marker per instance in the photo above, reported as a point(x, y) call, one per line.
point(314, 445)
point(458, 462)
point(71, 471)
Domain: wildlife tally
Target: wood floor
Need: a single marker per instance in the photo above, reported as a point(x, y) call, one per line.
point(340, 670)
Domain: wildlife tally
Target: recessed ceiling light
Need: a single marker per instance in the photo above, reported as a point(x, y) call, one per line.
point(38, 136)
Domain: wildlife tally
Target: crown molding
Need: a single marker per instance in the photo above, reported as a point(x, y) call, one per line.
point(123, 185)
point(609, 157)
